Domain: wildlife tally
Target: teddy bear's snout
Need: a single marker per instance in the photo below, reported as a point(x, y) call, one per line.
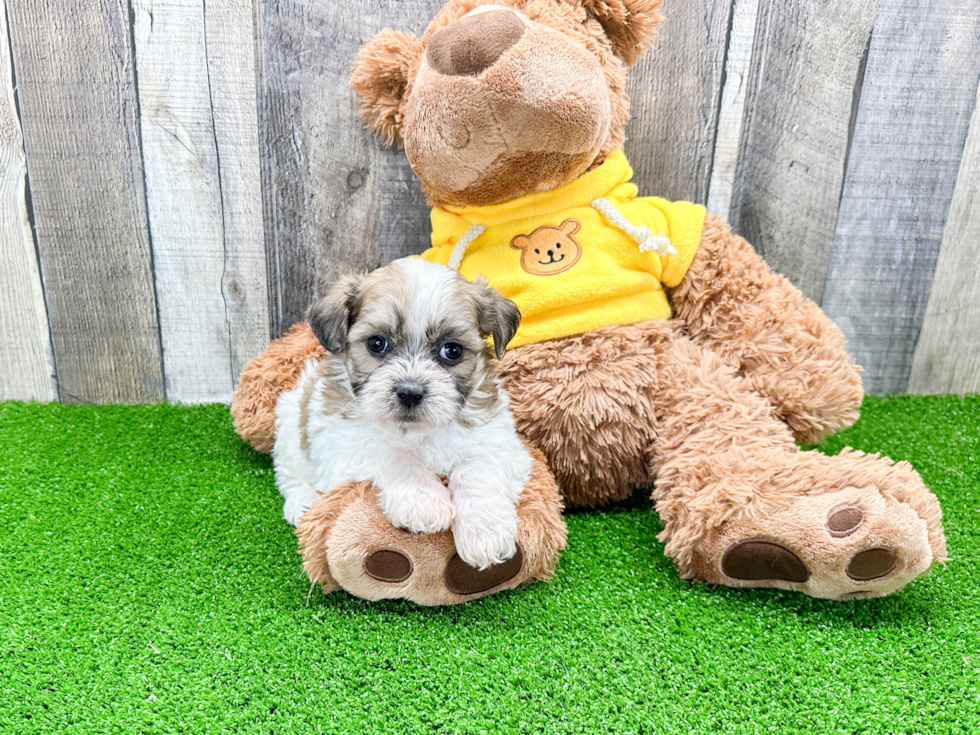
point(473, 43)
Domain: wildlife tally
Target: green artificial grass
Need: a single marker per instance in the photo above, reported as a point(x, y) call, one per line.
point(148, 584)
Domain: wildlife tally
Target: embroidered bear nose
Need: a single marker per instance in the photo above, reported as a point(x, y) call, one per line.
point(410, 394)
point(472, 44)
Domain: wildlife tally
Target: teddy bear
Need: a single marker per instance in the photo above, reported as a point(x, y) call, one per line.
point(656, 347)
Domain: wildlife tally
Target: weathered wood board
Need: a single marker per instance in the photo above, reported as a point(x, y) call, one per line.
point(947, 357)
point(200, 147)
point(731, 113)
point(323, 171)
point(915, 108)
point(800, 95)
point(404, 227)
point(675, 91)
point(74, 68)
point(230, 32)
point(26, 365)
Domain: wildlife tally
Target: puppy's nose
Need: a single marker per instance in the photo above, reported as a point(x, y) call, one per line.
point(471, 44)
point(410, 394)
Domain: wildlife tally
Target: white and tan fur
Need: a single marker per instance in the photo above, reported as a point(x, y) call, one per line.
point(358, 415)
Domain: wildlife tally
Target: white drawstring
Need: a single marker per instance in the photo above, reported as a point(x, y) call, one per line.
point(648, 242)
point(459, 250)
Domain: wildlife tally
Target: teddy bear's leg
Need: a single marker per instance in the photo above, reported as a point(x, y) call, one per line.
point(348, 543)
point(760, 324)
point(275, 371)
point(585, 403)
point(743, 506)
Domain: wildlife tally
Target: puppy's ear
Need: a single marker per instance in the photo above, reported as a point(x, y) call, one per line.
point(497, 315)
point(629, 24)
point(380, 81)
point(332, 316)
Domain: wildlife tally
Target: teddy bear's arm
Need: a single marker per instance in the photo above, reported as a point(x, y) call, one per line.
point(762, 325)
point(264, 378)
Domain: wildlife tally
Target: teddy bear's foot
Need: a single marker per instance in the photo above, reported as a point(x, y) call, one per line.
point(367, 556)
point(849, 544)
point(842, 527)
point(348, 543)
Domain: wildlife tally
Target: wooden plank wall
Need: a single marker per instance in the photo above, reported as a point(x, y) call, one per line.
point(196, 84)
point(79, 112)
point(788, 178)
point(179, 179)
point(947, 358)
point(26, 365)
point(909, 134)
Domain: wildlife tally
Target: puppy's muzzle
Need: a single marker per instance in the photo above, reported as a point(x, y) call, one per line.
point(410, 394)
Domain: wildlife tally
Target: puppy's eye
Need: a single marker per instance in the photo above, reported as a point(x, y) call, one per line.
point(450, 352)
point(537, 251)
point(558, 245)
point(377, 344)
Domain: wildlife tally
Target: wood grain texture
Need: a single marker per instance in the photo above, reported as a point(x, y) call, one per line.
point(321, 170)
point(911, 125)
point(675, 91)
point(26, 366)
point(74, 69)
point(732, 109)
point(200, 147)
point(230, 33)
point(947, 357)
point(788, 180)
point(405, 226)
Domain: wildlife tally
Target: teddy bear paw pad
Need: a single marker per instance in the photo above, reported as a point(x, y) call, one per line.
point(759, 559)
point(844, 520)
point(388, 565)
point(462, 579)
point(872, 564)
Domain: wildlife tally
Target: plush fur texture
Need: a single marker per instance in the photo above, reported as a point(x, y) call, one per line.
point(732, 304)
point(387, 406)
point(705, 406)
point(264, 378)
point(344, 527)
point(644, 403)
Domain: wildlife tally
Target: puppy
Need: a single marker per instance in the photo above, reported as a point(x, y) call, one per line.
point(407, 395)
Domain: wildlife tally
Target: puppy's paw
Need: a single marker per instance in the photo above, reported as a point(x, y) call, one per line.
point(294, 508)
point(486, 534)
point(420, 508)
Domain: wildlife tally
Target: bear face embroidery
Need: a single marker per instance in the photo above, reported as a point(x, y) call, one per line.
point(549, 250)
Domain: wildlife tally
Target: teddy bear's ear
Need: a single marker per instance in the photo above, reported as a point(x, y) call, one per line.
point(569, 227)
point(520, 242)
point(629, 24)
point(380, 81)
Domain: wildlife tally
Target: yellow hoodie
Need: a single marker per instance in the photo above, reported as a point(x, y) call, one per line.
point(569, 267)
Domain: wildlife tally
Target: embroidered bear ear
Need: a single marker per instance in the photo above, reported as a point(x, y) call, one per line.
point(569, 227)
point(630, 24)
point(520, 242)
point(380, 79)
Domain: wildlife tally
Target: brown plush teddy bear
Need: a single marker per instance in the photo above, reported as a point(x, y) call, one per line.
point(656, 346)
